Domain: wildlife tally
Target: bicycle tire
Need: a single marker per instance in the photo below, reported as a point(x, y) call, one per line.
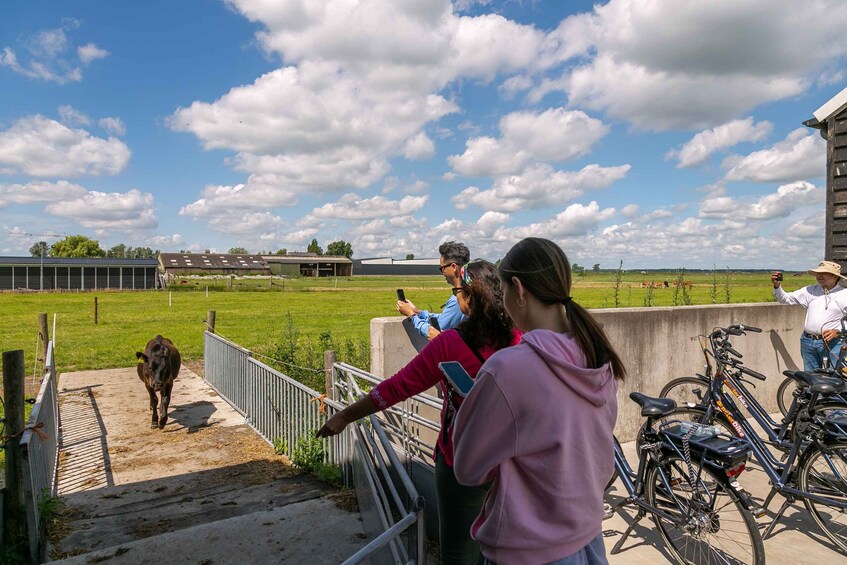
point(717, 528)
point(826, 474)
point(785, 394)
point(614, 471)
point(687, 389)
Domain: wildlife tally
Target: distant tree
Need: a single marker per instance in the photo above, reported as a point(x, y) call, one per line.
point(77, 246)
point(143, 253)
point(238, 251)
point(578, 269)
point(207, 251)
point(410, 256)
point(596, 267)
point(340, 247)
point(282, 251)
point(119, 251)
point(315, 248)
point(38, 249)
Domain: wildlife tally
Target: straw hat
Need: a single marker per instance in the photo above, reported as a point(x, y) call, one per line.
point(829, 267)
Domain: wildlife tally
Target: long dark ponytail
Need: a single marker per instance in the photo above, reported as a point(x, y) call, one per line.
point(544, 270)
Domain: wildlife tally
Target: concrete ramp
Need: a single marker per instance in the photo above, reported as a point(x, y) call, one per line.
point(205, 489)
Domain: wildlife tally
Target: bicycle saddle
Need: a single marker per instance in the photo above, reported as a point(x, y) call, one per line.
point(653, 406)
point(818, 383)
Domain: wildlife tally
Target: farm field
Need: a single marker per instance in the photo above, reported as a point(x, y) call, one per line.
point(256, 319)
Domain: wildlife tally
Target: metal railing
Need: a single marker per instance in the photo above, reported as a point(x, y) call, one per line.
point(287, 413)
point(39, 447)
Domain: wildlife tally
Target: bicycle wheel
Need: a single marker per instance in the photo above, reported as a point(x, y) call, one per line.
point(785, 395)
point(687, 389)
point(824, 472)
point(712, 524)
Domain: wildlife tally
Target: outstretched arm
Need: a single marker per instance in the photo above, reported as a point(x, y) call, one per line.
point(338, 421)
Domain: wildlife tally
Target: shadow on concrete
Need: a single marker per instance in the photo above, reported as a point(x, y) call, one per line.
point(418, 341)
point(783, 358)
point(194, 416)
point(114, 515)
point(644, 534)
point(84, 442)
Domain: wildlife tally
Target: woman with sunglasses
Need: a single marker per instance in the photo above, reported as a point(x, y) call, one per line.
point(487, 329)
point(539, 421)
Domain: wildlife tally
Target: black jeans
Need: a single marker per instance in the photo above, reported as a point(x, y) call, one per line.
point(458, 507)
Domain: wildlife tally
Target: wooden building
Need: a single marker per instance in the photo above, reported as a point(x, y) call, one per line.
point(831, 120)
point(59, 273)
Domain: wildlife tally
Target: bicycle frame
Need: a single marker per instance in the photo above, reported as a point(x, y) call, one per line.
point(779, 473)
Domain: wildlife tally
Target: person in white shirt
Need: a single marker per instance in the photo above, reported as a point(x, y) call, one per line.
point(825, 304)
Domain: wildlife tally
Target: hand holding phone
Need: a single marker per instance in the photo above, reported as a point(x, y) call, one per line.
point(401, 296)
point(457, 376)
point(779, 275)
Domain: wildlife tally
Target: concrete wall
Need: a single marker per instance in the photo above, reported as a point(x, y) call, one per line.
point(656, 344)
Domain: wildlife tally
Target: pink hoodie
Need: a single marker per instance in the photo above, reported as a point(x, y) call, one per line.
point(539, 424)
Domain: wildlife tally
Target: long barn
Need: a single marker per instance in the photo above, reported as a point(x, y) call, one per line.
point(59, 273)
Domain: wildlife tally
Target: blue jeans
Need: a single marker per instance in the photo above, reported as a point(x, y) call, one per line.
point(592, 554)
point(814, 351)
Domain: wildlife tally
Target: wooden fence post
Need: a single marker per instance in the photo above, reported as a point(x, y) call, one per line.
point(329, 361)
point(14, 513)
point(42, 334)
point(95, 309)
point(210, 321)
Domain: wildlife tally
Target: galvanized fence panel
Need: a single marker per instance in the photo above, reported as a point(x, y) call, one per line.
point(39, 454)
point(287, 413)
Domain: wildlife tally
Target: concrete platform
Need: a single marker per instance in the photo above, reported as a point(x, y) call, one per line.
point(205, 489)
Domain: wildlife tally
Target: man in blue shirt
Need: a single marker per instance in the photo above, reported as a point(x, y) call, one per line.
point(452, 256)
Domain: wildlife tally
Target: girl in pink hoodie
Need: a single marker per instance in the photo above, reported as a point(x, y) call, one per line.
point(539, 421)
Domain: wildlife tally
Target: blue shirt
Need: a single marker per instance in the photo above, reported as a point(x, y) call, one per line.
point(448, 319)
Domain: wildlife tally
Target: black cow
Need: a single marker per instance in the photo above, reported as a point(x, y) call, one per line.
point(158, 371)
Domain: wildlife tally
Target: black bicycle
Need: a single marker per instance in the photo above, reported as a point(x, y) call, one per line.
point(693, 392)
point(686, 480)
point(813, 463)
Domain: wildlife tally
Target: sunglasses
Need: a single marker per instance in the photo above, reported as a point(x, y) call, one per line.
point(442, 267)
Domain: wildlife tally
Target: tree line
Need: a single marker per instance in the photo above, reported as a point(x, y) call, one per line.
point(82, 246)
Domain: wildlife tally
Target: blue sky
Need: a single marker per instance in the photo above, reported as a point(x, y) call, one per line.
point(663, 134)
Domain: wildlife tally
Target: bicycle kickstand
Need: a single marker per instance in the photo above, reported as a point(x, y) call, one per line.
point(788, 502)
point(617, 548)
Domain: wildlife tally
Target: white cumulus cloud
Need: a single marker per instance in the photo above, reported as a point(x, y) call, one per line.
point(800, 156)
point(700, 147)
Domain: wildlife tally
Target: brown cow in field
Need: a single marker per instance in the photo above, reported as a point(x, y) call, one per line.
point(157, 368)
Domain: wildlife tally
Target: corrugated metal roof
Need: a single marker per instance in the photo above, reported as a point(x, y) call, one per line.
point(212, 261)
point(301, 259)
point(78, 262)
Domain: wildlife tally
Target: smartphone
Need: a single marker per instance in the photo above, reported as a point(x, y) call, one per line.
point(433, 321)
point(779, 275)
point(456, 375)
point(401, 296)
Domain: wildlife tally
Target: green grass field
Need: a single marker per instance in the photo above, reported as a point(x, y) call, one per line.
point(258, 319)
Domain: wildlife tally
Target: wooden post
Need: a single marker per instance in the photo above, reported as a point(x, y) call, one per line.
point(329, 361)
point(14, 513)
point(170, 298)
point(210, 321)
point(95, 309)
point(42, 334)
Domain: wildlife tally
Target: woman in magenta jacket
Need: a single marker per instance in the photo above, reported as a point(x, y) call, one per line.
point(539, 420)
point(487, 329)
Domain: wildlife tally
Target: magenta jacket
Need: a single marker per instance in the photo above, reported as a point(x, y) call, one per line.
point(539, 424)
point(422, 373)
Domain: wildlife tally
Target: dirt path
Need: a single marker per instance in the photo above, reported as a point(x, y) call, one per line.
point(206, 471)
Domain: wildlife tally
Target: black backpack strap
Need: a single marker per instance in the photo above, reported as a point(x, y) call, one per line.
point(471, 347)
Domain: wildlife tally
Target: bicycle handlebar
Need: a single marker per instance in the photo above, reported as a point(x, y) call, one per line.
point(753, 373)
